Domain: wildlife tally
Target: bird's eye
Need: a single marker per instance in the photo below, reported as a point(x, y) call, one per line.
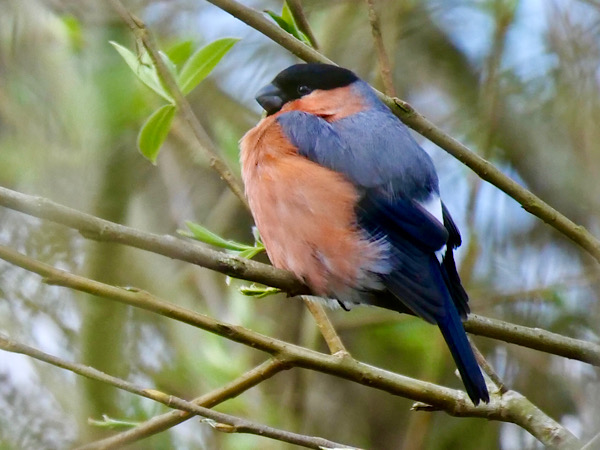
point(303, 90)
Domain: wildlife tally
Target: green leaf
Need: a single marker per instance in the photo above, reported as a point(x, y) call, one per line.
point(143, 68)
point(286, 14)
point(280, 21)
point(251, 252)
point(180, 52)
point(154, 132)
point(200, 233)
point(258, 291)
point(287, 23)
point(201, 63)
point(304, 38)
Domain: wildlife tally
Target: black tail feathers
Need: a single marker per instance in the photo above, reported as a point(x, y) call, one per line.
point(456, 338)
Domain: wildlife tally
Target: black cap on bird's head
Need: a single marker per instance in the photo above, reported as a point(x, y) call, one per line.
point(299, 80)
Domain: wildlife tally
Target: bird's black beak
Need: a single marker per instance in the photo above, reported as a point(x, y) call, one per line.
point(270, 98)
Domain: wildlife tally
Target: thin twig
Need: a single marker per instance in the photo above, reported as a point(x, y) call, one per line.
point(489, 370)
point(419, 123)
point(302, 22)
point(219, 421)
point(168, 420)
point(333, 341)
point(98, 229)
point(169, 82)
point(382, 56)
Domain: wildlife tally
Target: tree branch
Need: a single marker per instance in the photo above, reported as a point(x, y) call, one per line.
point(219, 421)
point(168, 420)
point(333, 340)
point(259, 22)
point(489, 370)
point(97, 229)
point(103, 230)
point(419, 123)
point(511, 406)
point(382, 56)
point(535, 338)
point(302, 21)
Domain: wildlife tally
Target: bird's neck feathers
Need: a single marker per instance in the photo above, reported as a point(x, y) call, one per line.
point(330, 104)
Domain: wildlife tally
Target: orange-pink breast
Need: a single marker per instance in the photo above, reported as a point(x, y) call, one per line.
point(305, 213)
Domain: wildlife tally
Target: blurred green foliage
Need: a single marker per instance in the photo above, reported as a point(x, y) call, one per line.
point(194, 70)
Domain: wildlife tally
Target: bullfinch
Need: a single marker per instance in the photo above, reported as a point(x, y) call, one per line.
point(345, 198)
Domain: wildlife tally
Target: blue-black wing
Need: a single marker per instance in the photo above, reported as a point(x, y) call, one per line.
point(391, 184)
point(396, 185)
point(451, 277)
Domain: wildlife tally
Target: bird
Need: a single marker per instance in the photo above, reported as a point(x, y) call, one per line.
point(345, 198)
